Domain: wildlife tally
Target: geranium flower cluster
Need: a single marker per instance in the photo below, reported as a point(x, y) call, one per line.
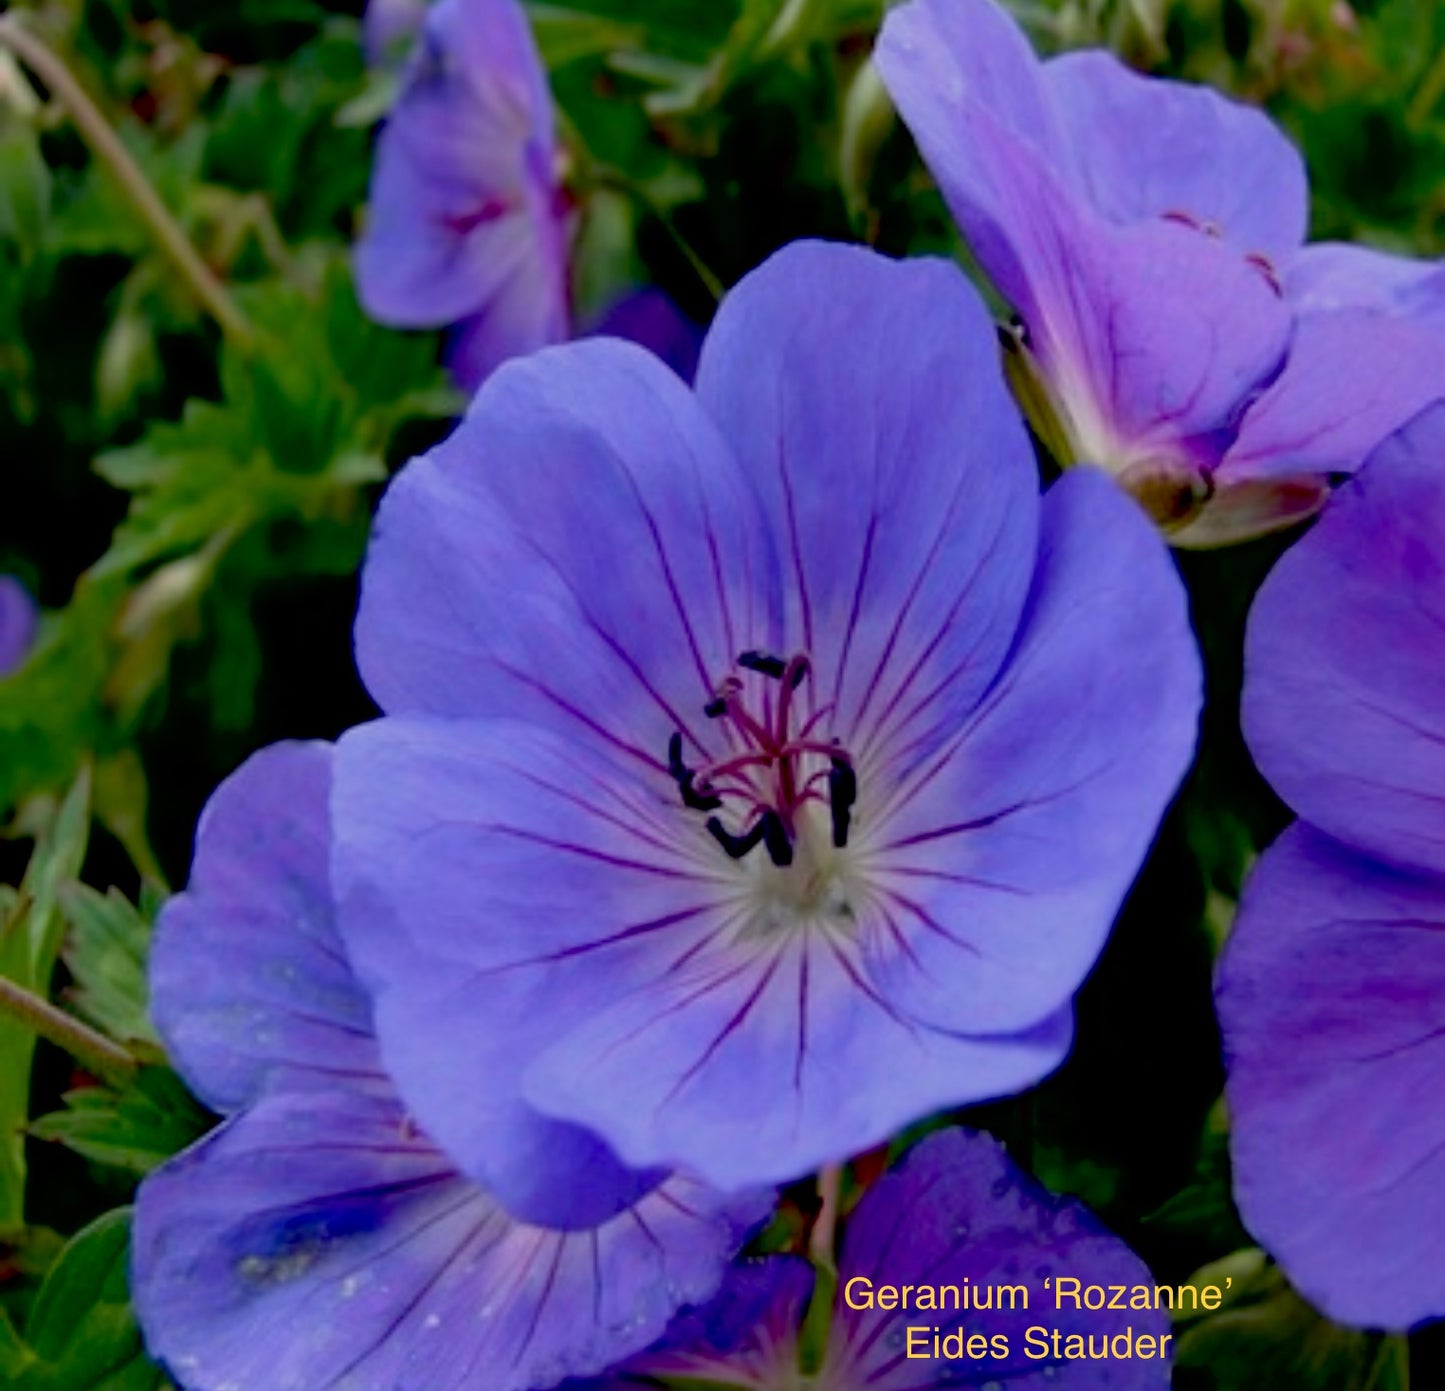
point(763, 762)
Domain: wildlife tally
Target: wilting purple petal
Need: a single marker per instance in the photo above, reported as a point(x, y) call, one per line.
point(18, 622)
point(317, 1241)
point(464, 219)
point(1330, 999)
point(1344, 701)
point(251, 988)
point(661, 673)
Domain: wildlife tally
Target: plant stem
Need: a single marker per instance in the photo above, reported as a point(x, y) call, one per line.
point(825, 1227)
point(93, 1051)
point(106, 146)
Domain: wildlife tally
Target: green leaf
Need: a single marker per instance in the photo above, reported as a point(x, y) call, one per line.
point(24, 185)
point(105, 951)
point(29, 942)
point(134, 1130)
point(81, 1328)
point(1264, 1334)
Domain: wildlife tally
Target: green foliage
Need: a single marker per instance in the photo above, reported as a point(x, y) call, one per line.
point(133, 1129)
point(30, 931)
point(81, 1335)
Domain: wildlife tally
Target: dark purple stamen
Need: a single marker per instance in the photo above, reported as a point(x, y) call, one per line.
point(842, 793)
point(764, 775)
point(767, 829)
point(764, 664)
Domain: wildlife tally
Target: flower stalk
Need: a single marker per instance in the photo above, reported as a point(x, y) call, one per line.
point(92, 1050)
point(107, 147)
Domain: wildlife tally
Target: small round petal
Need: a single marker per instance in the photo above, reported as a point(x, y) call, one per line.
point(18, 622)
point(1329, 996)
point(1344, 695)
point(958, 1210)
point(1143, 148)
point(495, 585)
point(493, 883)
point(864, 398)
point(1352, 378)
point(1013, 847)
point(330, 1218)
point(249, 985)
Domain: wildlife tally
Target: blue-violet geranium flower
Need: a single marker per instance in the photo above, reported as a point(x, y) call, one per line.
point(1145, 231)
point(467, 226)
point(763, 767)
point(319, 1239)
point(1331, 992)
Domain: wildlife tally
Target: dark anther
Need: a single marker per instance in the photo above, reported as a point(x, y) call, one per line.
point(698, 801)
point(676, 768)
point(800, 668)
point(767, 829)
point(684, 777)
point(763, 664)
point(736, 846)
point(716, 709)
point(842, 793)
point(775, 837)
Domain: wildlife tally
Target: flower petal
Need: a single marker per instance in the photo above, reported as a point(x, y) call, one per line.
point(1144, 147)
point(1329, 996)
point(18, 622)
point(746, 1335)
point(1342, 275)
point(958, 1211)
point(1011, 851)
point(494, 883)
point(329, 1217)
point(865, 399)
point(1344, 697)
point(519, 318)
point(250, 989)
point(793, 1037)
point(582, 552)
point(1352, 378)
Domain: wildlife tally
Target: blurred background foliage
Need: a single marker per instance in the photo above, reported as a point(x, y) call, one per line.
point(189, 506)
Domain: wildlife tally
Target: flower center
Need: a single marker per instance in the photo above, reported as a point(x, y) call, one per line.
point(762, 792)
